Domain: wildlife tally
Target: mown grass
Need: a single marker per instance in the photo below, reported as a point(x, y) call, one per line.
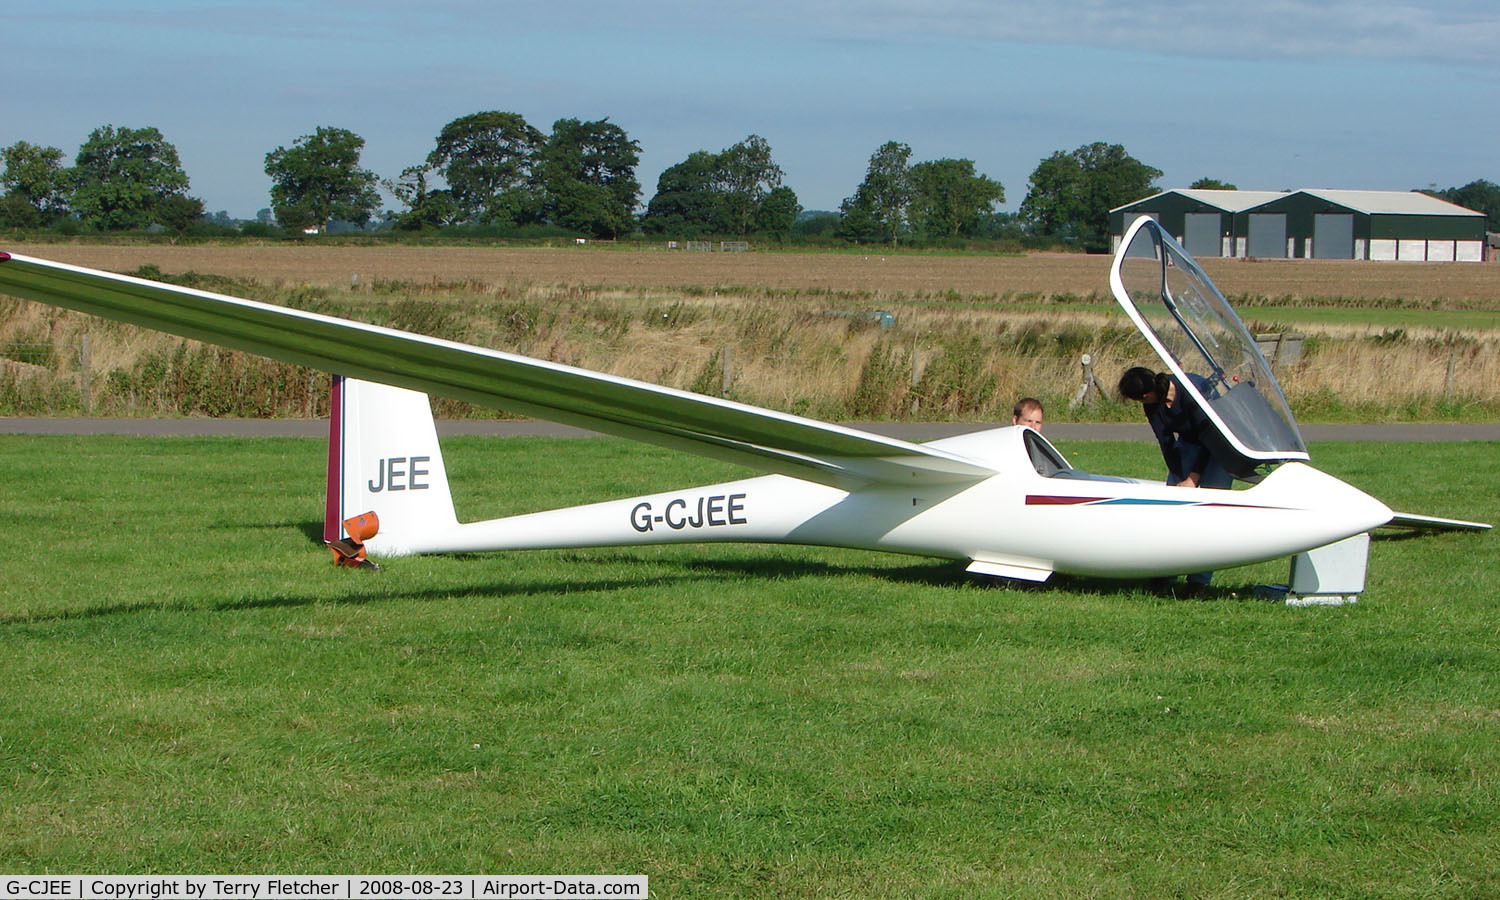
point(1339, 319)
point(190, 687)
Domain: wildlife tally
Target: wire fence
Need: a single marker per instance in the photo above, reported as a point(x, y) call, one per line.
point(1083, 378)
point(29, 354)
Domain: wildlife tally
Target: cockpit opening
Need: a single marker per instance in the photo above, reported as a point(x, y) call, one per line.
point(1050, 464)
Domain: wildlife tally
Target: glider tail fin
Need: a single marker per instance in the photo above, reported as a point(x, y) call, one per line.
point(383, 457)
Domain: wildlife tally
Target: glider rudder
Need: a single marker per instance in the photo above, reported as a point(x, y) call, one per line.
point(383, 457)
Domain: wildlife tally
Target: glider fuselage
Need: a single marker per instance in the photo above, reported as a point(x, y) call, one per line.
point(1019, 522)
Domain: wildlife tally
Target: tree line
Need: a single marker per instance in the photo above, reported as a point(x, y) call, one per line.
point(493, 170)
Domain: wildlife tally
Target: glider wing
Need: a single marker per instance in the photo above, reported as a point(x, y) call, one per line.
point(763, 439)
point(1433, 523)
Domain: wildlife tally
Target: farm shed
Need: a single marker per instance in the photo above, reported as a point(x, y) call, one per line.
point(1315, 224)
point(1376, 225)
point(1202, 221)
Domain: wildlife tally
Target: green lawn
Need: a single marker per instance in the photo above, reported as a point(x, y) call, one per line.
point(190, 686)
point(1456, 320)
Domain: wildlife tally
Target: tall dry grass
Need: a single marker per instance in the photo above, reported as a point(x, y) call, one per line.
point(1397, 376)
point(807, 351)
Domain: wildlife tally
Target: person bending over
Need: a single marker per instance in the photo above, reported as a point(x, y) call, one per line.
point(1182, 430)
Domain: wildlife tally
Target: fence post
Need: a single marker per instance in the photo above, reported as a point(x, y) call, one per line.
point(84, 388)
point(1448, 382)
point(725, 372)
point(916, 377)
point(1089, 389)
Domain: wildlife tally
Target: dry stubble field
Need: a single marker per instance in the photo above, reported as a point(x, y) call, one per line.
point(895, 275)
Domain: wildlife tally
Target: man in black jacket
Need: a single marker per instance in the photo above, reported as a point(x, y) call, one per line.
point(1183, 432)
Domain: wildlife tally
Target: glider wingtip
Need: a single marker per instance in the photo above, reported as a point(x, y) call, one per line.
point(4, 256)
point(1434, 523)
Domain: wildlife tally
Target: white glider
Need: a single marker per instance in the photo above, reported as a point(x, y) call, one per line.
point(1004, 501)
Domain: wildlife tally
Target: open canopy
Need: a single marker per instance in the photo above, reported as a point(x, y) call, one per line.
point(1201, 340)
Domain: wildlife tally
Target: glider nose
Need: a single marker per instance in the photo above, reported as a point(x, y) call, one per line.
point(1337, 507)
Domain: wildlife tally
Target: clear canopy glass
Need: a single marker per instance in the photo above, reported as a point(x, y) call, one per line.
point(1201, 340)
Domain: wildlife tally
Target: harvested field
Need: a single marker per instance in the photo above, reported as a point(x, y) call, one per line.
point(874, 274)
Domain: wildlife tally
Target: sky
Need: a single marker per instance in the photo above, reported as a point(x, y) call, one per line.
point(1354, 94)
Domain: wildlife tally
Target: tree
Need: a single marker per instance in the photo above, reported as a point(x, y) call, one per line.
point(487, 160)
point(1480, 196)
point(1057, 203)
point(587, 173)
point(1211, 184)
point(777, 212)
point(1000, 226)
point(877, 211)
point(816, 223)
point(735, 191)
point(948, 198)
point(34, 185)
point(121, 176)
point(746, 176)
point(15, 212)
point(1071, 194)
point(425, 207)
point(941, 198)
point(179, 212)
point(687, 203)
point(319, 179)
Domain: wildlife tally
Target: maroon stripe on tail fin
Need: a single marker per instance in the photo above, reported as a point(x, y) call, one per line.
point(333, 509)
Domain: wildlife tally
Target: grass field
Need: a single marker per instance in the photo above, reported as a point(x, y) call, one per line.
point(191, 687)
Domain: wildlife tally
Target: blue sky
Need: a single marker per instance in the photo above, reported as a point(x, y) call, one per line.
point(1267, 95)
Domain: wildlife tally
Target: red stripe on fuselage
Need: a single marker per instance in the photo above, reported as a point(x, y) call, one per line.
point(1044, 500)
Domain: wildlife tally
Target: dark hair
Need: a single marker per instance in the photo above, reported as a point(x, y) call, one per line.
point(1138, 381)
point(1024, 404)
